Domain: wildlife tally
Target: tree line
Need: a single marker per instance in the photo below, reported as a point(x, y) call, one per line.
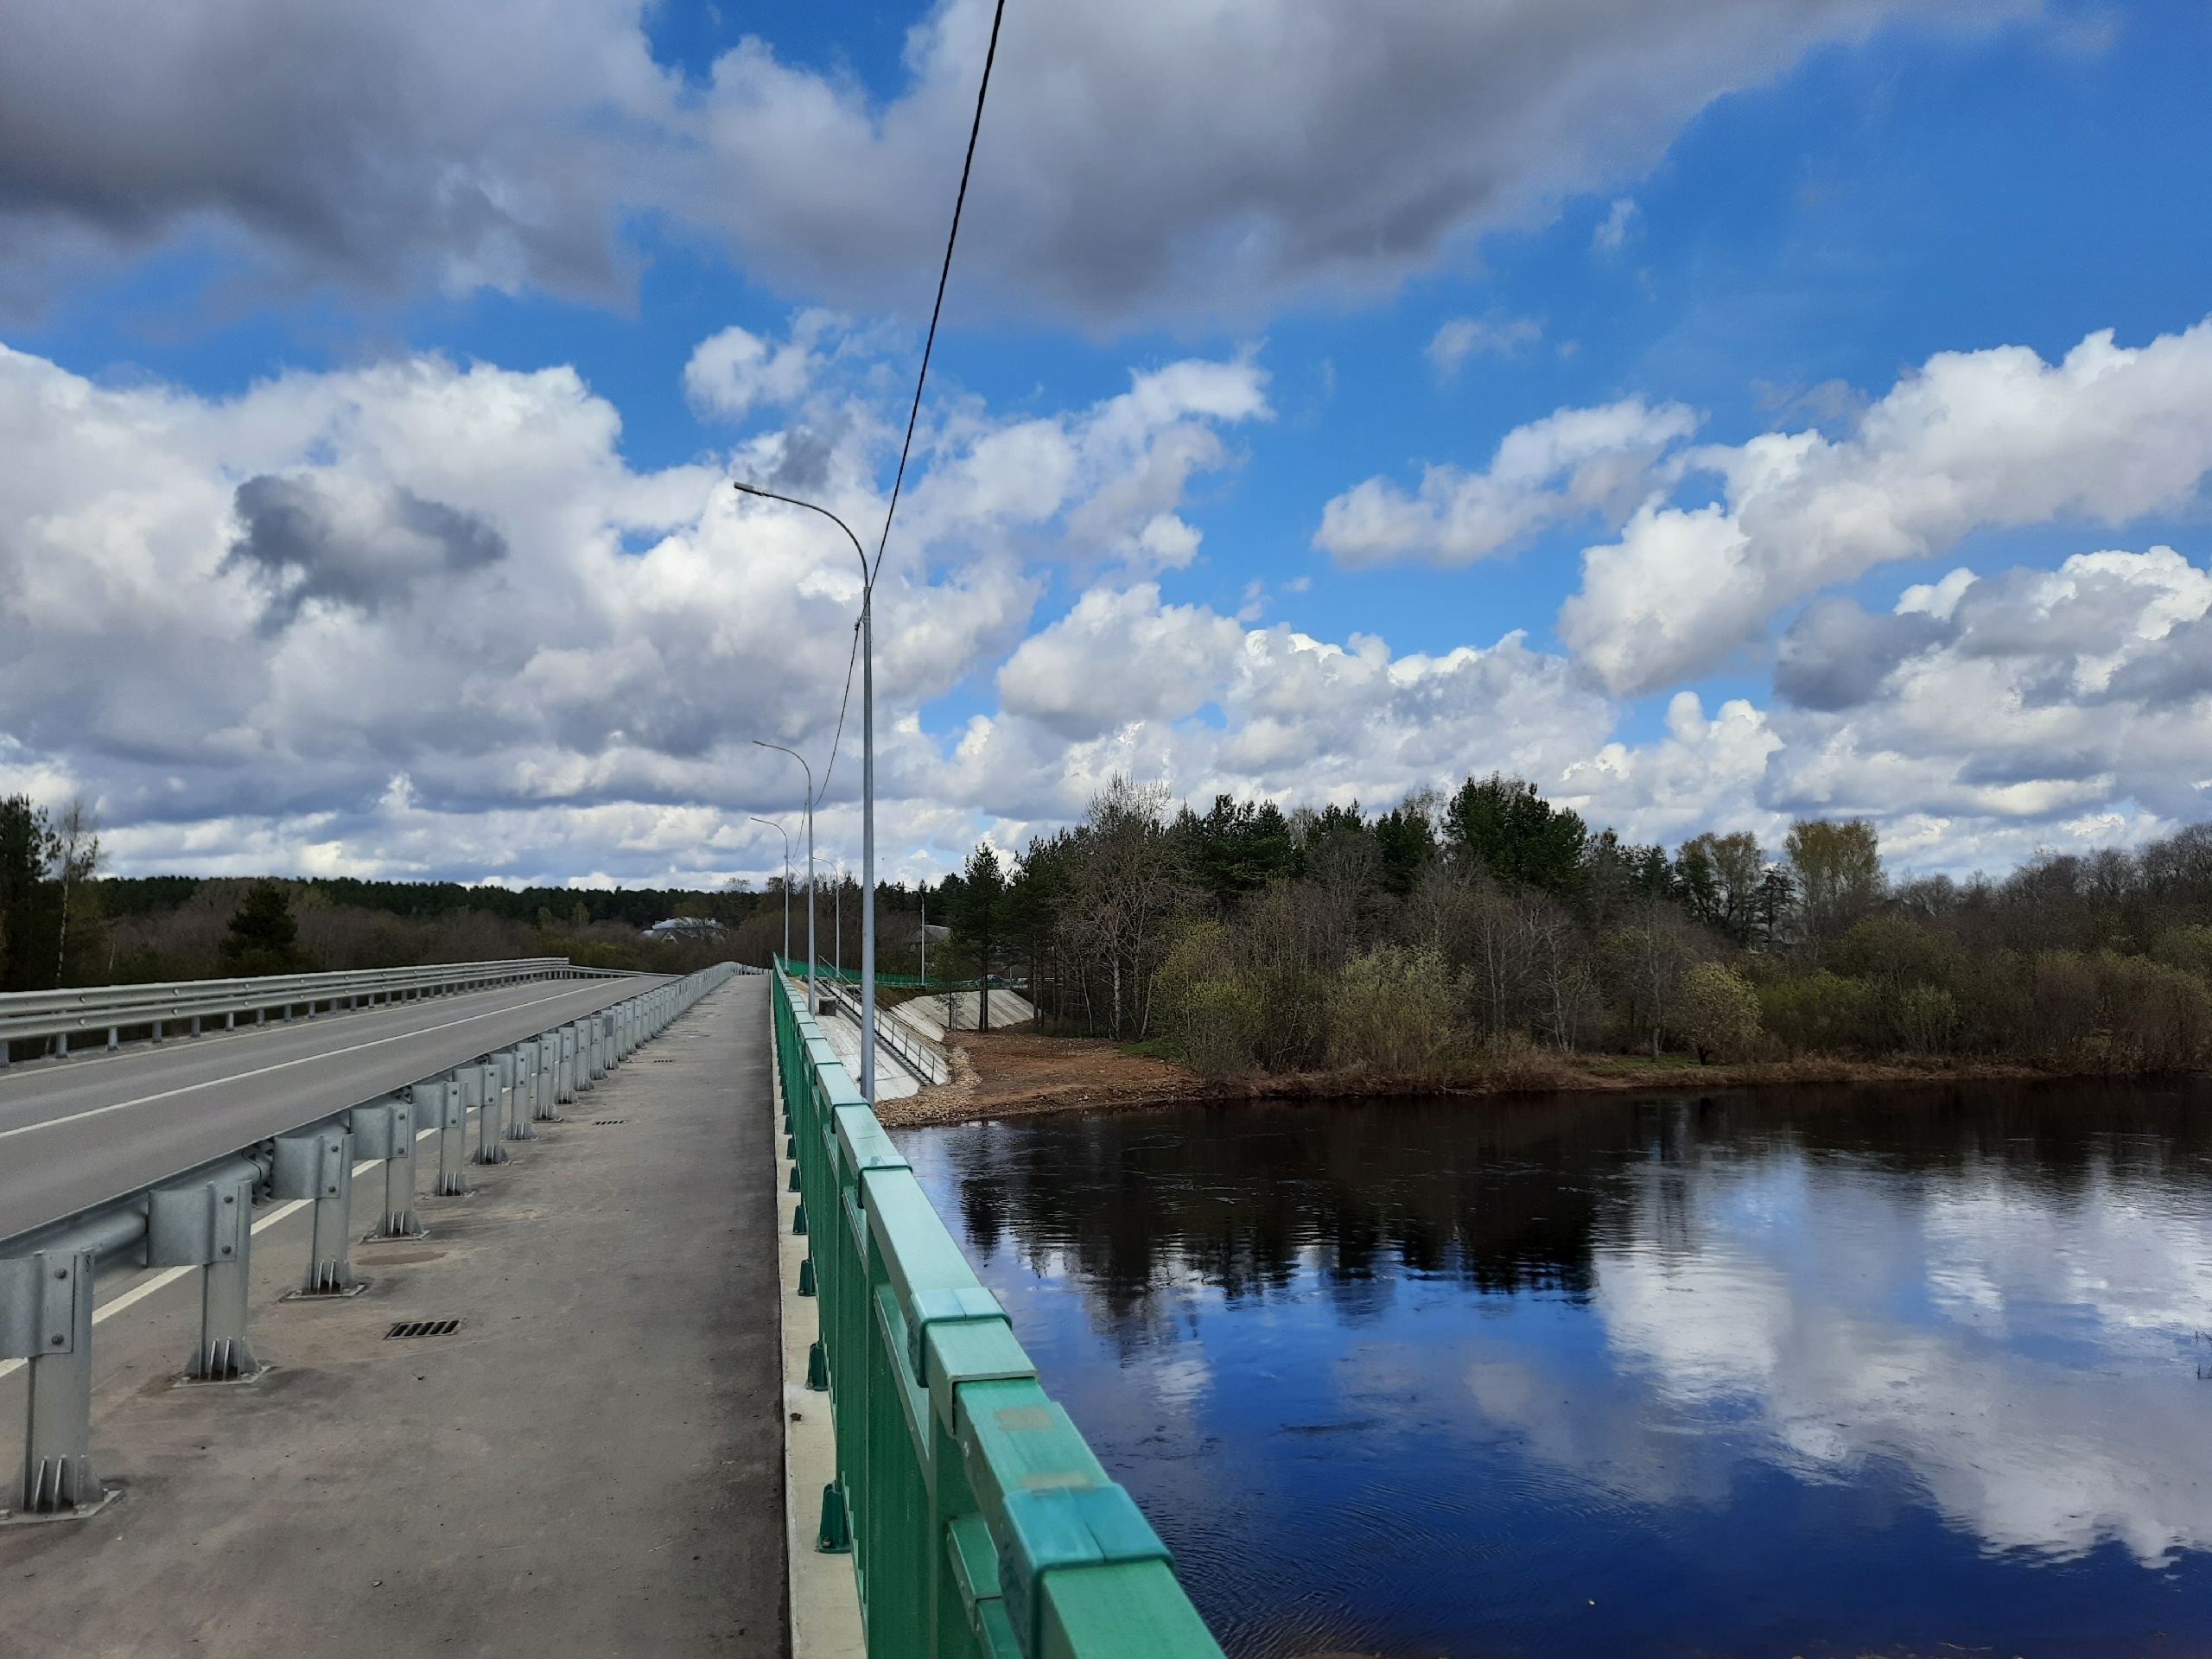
point(1490, 929)
point(1447, 936)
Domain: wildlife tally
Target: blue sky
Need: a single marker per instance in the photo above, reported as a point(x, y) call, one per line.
point(1725, 225)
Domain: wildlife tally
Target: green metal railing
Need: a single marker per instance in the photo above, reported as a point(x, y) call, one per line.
point(981, 1525)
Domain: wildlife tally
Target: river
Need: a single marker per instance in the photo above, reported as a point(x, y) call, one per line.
point(1805, 1372)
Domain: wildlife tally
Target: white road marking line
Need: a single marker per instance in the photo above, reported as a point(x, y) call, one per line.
point(139, 1293)
point(282, 1065)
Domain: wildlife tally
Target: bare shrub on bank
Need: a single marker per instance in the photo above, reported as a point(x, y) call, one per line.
point(1394, 1012)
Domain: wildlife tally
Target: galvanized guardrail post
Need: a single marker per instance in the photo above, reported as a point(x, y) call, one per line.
point(385, 1132)
point(46, 1317)
point(440, 1105)
point(319, 1166)
point(547, 1094)
point(480, 1087)
point(518, 1065)
point(209, 1225)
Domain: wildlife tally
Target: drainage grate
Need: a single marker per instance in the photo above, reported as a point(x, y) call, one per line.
point(607, 1123)
point(422, 1328)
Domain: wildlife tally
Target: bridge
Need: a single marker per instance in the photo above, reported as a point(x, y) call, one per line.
point(514, 1307)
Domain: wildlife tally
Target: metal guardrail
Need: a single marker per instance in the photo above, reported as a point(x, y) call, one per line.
point(203, 1218)
point(797, 968)
point(981, 1525)
point(908, 1045)
point(113, 1009)
point(911, 1045)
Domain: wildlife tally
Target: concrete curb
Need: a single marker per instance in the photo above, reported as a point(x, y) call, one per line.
point(825, 1609)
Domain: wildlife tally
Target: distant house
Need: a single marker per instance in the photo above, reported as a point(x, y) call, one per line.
point(703, 928)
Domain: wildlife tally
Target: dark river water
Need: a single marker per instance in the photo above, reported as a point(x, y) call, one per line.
point(1807, 1373)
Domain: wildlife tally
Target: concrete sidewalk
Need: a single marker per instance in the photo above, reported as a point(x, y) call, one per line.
point(591, 1464)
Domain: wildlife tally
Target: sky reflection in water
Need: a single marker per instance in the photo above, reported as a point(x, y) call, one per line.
point(1837, 1373)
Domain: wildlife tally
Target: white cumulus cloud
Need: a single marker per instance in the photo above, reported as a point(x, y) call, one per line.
point(417, 617)
point(1971, 440)
point(1565, 467)
point(2044, 706)
point(1117, 469)
point(732, 372)
point(1117, 658)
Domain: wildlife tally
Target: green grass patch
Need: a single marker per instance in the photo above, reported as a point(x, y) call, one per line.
point(1641, 1065)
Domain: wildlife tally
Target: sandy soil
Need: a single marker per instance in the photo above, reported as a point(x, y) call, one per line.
point(1012, 1074)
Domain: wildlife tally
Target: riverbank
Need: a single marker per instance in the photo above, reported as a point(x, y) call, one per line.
point(1017, 1074)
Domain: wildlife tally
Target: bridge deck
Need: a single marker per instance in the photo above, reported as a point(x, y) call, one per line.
point(590, 1465)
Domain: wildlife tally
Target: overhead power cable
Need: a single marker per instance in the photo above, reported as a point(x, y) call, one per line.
point(944, 275)
point(852, 660)
point(929, 345)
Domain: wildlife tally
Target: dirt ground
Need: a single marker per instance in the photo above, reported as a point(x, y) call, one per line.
point(1013, 1074)
point(1008, 1074)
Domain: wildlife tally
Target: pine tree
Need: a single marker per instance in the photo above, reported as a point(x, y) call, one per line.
point(263, 937)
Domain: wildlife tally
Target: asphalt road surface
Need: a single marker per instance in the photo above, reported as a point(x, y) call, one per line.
point(76, 1133)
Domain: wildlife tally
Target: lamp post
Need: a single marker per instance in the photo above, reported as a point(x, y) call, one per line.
point(868, 784)
point(813, 1002)
point(786, 835)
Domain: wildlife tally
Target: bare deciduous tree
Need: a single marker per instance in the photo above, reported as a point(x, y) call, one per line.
point(77, 859)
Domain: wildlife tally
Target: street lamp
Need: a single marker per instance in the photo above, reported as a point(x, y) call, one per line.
point(813, 1002)
point(786, 835)
point(868, 784)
